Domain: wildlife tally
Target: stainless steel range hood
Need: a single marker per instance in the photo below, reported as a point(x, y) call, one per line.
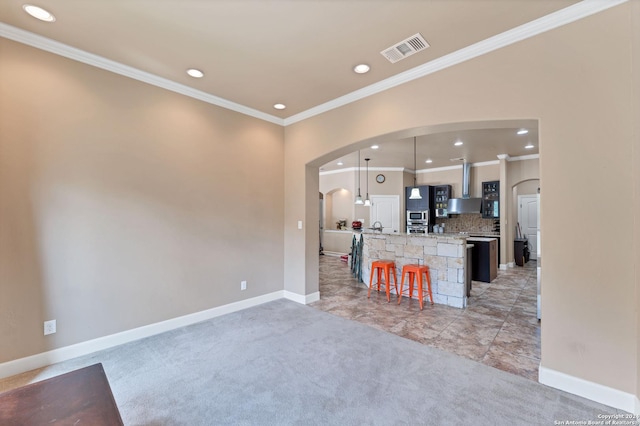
point(464, 204)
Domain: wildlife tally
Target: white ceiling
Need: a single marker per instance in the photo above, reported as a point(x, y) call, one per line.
point(479, 145)
point(255, 53)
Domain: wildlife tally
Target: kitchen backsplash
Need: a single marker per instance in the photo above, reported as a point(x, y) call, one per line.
point(468, 223)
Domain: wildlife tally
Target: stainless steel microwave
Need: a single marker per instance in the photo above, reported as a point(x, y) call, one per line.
point(413, 215)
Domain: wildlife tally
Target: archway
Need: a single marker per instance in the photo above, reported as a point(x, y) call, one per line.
point(478, 176)
point(337, 216)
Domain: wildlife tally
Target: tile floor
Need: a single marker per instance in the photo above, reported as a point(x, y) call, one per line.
point(498, 328)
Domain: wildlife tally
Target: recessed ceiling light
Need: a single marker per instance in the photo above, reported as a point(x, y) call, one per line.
point(195, 73)
point(458, 143)
point(340, 163)
point(279, 106)
point(523, 131)
point(429, 160)
point(39, 13)
point(374, 147)
point(528, 146)
point(361, 68)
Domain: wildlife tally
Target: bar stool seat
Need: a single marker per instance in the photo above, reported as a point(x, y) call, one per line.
point(414, 271)
point(386, 266)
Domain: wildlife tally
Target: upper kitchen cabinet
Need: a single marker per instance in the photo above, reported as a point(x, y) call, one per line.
point(442, 193)
point(491, 199)
point(421, 204)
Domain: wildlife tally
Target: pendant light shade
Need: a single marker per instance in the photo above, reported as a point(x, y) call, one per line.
point(367, 202)
point(415, 191)
point(415, 194)
point(359, 197)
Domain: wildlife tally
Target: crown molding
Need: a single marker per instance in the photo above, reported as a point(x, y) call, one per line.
point(485, 163)
point(439, 169)
point(61, 49)
point(435, 169)
point(445, 168)
point(355, 169)
point(546, 23)
point(530, 29)
point(524, 157)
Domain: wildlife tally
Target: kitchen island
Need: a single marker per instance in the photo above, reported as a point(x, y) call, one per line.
point(485, 259)
point(444, 254)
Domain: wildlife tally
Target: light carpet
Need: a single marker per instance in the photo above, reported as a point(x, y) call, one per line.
point(282, 363)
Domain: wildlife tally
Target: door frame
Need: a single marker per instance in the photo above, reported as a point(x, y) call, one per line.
point(533, 253)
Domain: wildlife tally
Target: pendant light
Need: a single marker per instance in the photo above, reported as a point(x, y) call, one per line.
point(367, 201)
point(415, 191)
point(359, 197)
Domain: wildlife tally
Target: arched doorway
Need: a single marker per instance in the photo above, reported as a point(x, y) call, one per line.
point(490, 315)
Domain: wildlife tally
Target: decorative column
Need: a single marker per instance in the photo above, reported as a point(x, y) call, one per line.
point(505, 189)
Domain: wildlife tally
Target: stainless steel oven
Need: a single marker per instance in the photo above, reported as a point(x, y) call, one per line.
point(417, 222)
point(417, 229)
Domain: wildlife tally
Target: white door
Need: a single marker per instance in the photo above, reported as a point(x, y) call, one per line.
point(528, 220)
point(386, 210)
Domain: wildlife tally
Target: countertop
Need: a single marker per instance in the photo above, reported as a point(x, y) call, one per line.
point(481, 239)
point(486, 236)
point(446, 235)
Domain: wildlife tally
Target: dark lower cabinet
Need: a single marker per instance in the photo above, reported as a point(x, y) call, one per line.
point(497, 244)
point(484, 265)
point(521, 251)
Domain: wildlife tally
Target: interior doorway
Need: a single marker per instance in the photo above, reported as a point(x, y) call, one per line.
point(528, 220)
point(321, 219)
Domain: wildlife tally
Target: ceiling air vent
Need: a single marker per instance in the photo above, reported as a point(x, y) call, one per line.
point(405, 48)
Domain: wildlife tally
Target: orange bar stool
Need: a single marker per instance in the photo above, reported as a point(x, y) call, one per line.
point(385, 266)
point(415, 271)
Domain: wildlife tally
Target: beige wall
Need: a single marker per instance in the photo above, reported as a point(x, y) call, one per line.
point(342, 207)
point(635, 108)
point(576, 80)
point(337, 241)
point(329, 182)
point(339, 190)
point(122, 204)
point(451, 177)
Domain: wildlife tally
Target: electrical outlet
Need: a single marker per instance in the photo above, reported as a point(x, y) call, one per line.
point(49, 327)
point(243, 285)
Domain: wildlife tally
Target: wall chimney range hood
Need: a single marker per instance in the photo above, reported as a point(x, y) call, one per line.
point(465, 204)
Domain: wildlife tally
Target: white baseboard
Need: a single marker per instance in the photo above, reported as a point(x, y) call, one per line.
point(334, 253)
point(596, 392)
point(302, 299)
point(505, 266)
point(43, 359)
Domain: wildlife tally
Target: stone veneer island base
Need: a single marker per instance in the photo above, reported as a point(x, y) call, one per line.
point(444, 254)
